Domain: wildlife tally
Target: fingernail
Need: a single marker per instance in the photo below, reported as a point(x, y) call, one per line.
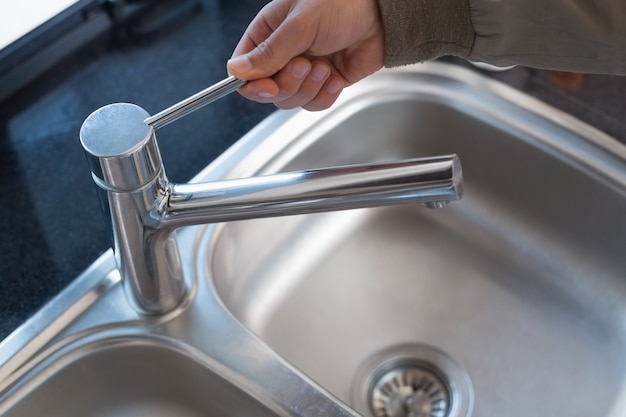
point(319, 72)
point(300, 69)
point(334, 86)
point(241, 64)
point(265, 94)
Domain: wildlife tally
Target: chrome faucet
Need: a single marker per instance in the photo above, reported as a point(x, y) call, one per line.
point(145, 208)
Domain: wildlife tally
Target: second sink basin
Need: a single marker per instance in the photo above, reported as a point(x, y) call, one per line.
point(518, 290)
point(130, 377)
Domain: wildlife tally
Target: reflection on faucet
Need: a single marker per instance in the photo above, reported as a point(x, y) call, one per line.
point(145, 208)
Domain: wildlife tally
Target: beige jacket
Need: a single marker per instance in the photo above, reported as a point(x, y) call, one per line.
point(574, 35)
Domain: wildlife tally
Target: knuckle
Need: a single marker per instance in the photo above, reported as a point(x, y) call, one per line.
point(265, 51)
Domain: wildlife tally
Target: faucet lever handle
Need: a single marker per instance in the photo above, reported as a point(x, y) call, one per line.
point(193, 103)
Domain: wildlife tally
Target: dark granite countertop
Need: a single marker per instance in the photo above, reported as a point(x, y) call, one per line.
point(52, 228)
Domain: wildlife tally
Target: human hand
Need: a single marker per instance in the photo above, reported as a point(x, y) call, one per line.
point(302, 53)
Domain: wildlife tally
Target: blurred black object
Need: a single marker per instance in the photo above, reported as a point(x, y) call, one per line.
point(125, 20)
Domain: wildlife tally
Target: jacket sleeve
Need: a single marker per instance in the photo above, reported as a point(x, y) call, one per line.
point(421, 30)
point(572, 35)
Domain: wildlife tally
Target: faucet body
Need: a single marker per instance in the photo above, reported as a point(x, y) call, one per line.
point(145, 209)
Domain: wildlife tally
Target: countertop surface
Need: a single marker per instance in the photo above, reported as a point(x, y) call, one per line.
point(52, 228)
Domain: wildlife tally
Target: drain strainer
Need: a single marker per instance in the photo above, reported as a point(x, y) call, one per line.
point(410, 391)
point(412, 380)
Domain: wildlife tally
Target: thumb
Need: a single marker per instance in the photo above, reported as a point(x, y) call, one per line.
point(266, 58)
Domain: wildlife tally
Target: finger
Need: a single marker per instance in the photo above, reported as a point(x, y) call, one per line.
point(309, 89)
point(327, 95)
point(262, 26)
point(282, 86)
point(291, 78)
point(275, 46)
point(261, 91)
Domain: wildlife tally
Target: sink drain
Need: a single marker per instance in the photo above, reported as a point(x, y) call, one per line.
point(412, 381)
point(410, 391)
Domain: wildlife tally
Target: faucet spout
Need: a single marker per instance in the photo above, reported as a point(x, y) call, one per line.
point(423, 180)
point(145, 208)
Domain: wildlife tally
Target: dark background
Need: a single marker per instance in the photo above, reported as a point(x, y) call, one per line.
point(51, 226)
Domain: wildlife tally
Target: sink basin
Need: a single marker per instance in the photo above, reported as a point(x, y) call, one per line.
point(125, 377)
point(514, 297)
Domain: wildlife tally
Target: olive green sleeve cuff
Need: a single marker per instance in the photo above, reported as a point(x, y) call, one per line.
point(422, 30)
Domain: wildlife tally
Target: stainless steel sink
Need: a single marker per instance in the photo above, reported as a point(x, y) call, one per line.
point(521, 285)
point(508, 303)
point(132, 377)
point(89, 353)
